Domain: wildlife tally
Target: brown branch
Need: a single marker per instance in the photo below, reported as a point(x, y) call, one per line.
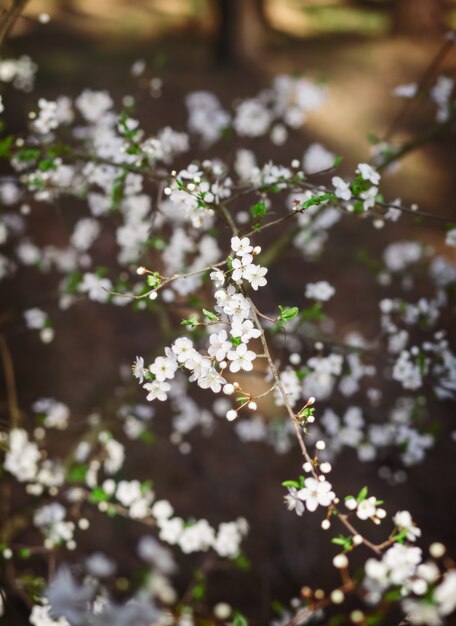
point(9, 18)
point(10, 382)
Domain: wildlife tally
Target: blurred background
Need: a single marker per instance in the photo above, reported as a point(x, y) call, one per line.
point(361, 49)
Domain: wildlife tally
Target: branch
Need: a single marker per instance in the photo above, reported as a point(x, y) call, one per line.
point(9, 18)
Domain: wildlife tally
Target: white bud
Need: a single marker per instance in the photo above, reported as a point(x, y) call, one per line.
point(357, 540)
point(419, 586)
point(340, 561)
point(307, 467)
point(357, 616)
point(320, 445)
point(351, 504)
point(141, 270)
point(252, 406)
point(337, 596)
point(222, 610)
point(231, 415)
point(295, 358)
point(228, 389)
point(326, 524)
point(326, 467)
point(437, 550)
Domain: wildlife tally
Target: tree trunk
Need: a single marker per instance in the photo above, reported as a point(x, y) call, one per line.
point(419, 17)
point(241, 29)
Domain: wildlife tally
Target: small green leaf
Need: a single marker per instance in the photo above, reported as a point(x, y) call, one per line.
point(5, 145)
point(317, 200)
point(147, 437)
point(290, 483)
point(287, 313)
point(242, 562)
point(211, 316)
point(313, 312)
point(77, 474)
point(191, 321)
point(25, 553)
point(258, 210)
point(373, 139)
point(98, 495)
point(239, 619)
point(362, 495)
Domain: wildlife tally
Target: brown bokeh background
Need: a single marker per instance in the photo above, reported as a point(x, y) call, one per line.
point(362, 49)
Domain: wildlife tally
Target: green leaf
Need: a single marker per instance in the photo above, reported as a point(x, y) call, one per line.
point(77, 474)
point(373, 139)
point(313, 312)
point(258, 210)
point(98, 495)
point(239, 619)
point(27, 154)
point(147, 437)
point(117, 192)
point(158, 242)
point(337, 161)
point(317, 200)
point(191, 321)
point(5, 145)
point(362, 495)
point(341, 540)
point(306, 412)
point(199, 591)
point(242, 562)
point(210, 315)
point(46, 164)
point(400, 537)
point(153, 280)
point(287, 313)
point(73, 280)
point(290, 483)
point(25, 553)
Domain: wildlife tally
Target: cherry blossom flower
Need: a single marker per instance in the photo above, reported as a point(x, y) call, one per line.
point(315, 493)
point(163, 368)
point(368, 173)
point(320, 291)
point(157, 390)
point(241, 358)
point(342, 188)
point(294, 502)
point(219, 345)
point(245, 331)
point(255, 275)
point(138, 369)
point(241, 246)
